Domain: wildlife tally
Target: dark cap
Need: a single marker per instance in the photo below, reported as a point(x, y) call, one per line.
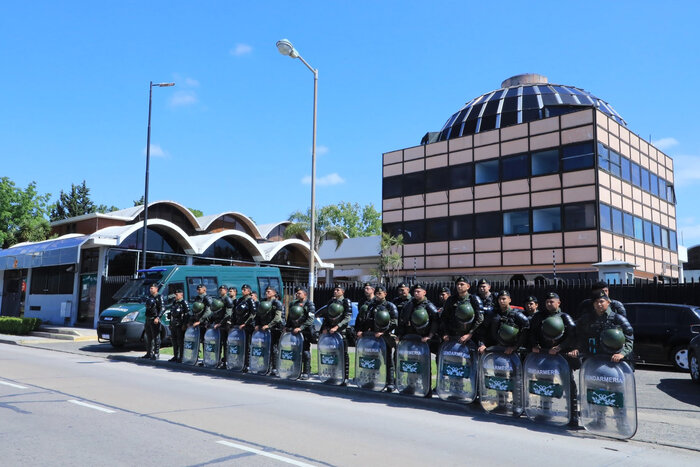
point(600, 294)
point(482, 281)
point(200, 286)
point(418, 286)
point(461, 279)
point(403, 284)
point(301, 289)
point(269, 287)
point(380, 288)
point(367, 284)
point(504, 293)
point(553, 295)
point(445, 290)
point(246, 286)
point(179, 291)
point(531, 298)
point(223, 286)
point(155, 284)
point(232, 288)
point(339, 286)
point(599, 285)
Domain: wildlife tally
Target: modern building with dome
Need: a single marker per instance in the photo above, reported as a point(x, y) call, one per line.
point(531, 181)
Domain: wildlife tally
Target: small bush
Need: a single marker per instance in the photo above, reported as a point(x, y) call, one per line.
point(18, 326)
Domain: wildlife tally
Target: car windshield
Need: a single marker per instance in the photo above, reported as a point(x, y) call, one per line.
point(136, 290)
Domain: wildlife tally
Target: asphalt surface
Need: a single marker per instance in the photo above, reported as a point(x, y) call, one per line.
point(191, 416)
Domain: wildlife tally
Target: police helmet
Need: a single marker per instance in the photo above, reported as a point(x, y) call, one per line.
point(335, 310)
point(295, 312)
point(216, 304)
point(612, 340)
point(553, 327)
point(198, 307)
point(464, 313)
point(508, 333)
point(420, 317)
point(264, 307)
point(382, 319)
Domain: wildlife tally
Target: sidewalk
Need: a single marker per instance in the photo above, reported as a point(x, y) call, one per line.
point(48, 333)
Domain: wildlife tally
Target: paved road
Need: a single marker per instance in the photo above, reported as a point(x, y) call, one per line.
point(70, 409)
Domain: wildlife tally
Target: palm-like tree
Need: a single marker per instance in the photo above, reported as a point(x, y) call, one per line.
point(325, 229)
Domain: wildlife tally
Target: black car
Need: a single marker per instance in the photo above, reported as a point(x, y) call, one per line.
point(662, 332)
point(694, 357)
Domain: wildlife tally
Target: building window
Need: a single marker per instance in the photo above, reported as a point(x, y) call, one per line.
point(656, 229)
point(615, 168)
point(626, 169)
point(461, 176)
point(437, 230)
point(603, 160)
point(53, 280)
point(662, 188)
point(414, 232)
point(654, 184)
point(664, 238)
point(605, 223)
point(487, 171)
point(394, 229)
point(617, 226)
point(579, 217)
point(546, 220)
point(577, 156)
point(488, 224)
point(672, 240)
point(645, 180)
point(628, 224)
point(462, 227)
point(545, 162)
point(413, 184)
point(515, 167)
point(636, 174)
point(647, 232)
point(516, 222)
point(638, 229)
point(436, 179)
point(391, 187)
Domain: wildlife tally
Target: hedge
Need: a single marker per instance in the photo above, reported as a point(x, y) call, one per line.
point(18, 326)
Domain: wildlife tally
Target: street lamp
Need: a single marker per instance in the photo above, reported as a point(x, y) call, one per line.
point(148, 161)
point(286, 48)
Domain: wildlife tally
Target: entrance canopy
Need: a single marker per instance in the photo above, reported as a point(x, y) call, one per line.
point(48, 253)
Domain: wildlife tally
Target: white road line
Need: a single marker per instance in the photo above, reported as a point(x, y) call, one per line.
point(13, 385)
point(84, 404)
point(263, 453)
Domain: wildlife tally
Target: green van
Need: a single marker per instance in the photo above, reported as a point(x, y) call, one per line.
point(123, 322)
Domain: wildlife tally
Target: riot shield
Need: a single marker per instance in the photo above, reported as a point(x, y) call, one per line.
point(547, 388)
point(235, 359)
point(212, 345)
point(370, 363)
point(331, 358)
point(291, 347)
point(190, 346)
point(413, 372)
point(608, 398)
point(456, 378)
point(260, 352)
point(501, 383)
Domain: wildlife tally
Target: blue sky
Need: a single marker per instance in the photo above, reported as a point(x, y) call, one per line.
point(235, 131)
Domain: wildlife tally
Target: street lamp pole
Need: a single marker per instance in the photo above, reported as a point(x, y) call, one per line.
point(148, 163)
point(286, 48)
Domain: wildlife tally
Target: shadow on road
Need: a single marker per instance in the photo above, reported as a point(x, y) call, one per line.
point(683, 390)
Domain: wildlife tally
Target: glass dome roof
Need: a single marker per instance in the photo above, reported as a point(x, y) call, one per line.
point(522, 98)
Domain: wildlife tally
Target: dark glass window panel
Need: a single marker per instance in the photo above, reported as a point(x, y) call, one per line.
point(437, 230)
point(553, 111)
point(545, 90)
point(664, 238)
point(670, 194)
point(638, 229)
point(626, 169)
point(461, 176)
point(394, 228)
point(509, 118)
point(469, 126)
point(617, 226)
point(486, 172)
point(474, 114)
point(488, 224)
point(562, 90)
point(444, 134)
point(645, 179)
point(462, 114)
point(579, 217)
point(456, 131)
point(549, 99)
point(603, 160)
point(530, 115)
point(568, 99)
point(462, 227)
point(516, 222)
point(436, 179)
point(512, 92)
point(656, 229)
point(614, 159)
point(515, 167)
point(585, 100)
point(528, 90)
point(672, 240)
point(510, 104)
point(636, 175)
point(647, 232)
point(628, 221)
point(546, 220)
point(577, 156)
point(530, 102)
point(491, 108)
point(605, 223)
point(654, 184)
point(488, 123)
point(413, 184)
point(662, 188)
point(545, 162)
point(414, 231)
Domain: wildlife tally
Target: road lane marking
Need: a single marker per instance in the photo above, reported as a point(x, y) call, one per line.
point(263, 453)
point(13, 385)
point(84, 404)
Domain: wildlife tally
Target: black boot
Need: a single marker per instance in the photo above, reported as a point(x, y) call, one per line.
point(273, 362)
point(305, 365)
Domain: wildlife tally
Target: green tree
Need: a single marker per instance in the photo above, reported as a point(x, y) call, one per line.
point(74, 203)
point(139, 202)
point(390, 259)
point(196, 212)
point(356, 221)
point(22, 214)
point(102, 208)
point(325, 227)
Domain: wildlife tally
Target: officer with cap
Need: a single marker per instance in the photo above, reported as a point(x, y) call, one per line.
point(403, 296)
point(461, 316)
point(445, 293)
point(270, 317)
point(364, 317)
point(586, 306)
point(485, 302)
point(154, 310)
point(244, 311)
point(222, 322)
point(531, 306)
point(202, 318)
point(300, 319)
point(336, 319)
point(603, 331)
point(508, 327)
point(178, 315)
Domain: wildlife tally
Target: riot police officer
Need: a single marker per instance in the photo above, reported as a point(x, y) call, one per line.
point(460, 317)
point(508, 327)
point(243, 316)
point(202, 319)
point(363, 311)
point(531, 306)
point(484, 300)
point(382, 320)
point(300, 319)
point(222, 322)
point(445, 293)
point(178, 315)
point(269, 317)
point(336, 319)
point(586, 306)
point(154, 310)
point(403, 297)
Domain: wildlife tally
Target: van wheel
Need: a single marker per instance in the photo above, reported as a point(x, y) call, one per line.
point(680, 358)
point(694, 368)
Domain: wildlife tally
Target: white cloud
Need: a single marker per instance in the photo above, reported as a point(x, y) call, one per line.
point(686, 169)
point(688, 234)
point(665, 143)
point(157, 151)
point(326, 180)
point(191, 82)
point(183, 98)
point(321, 150)
point(241, 49)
